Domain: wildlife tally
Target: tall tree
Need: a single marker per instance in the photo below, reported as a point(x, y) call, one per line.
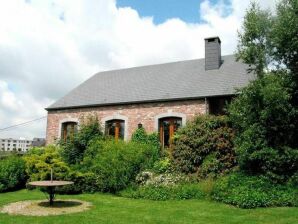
point(253, 46)
point(284, 42)
point(284, 35)
point(265, 114)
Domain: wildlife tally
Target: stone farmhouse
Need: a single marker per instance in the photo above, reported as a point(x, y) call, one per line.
point(158, 97)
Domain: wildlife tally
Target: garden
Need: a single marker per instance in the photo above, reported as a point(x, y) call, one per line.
point(241, 167)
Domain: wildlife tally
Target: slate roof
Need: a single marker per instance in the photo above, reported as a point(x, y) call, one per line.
point(161, 82)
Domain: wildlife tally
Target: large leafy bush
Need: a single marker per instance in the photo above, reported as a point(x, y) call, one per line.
point(254, 191)
point(12, 173)
point(264, 119)
point(204, 145)
point(116, 164)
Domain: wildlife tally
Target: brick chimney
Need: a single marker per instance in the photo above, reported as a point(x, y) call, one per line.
point(212, 53)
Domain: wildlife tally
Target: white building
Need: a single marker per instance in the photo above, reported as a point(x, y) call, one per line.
point(18, 145)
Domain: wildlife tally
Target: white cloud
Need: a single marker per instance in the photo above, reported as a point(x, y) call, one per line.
point(19, 108)
point(49, 47)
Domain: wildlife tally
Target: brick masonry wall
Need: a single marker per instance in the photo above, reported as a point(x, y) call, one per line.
point(144, 113)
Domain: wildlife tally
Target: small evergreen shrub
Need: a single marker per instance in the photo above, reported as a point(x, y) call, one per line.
point(205, 146)
point(40, 161)
point(253, 191)
point(162, 193)
point(12, 173)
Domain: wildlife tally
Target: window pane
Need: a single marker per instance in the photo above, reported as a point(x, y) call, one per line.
point(177, 124)
point(68, 129)
point(166, 132)
point(121, 131)
point(114, 127)
point(111, 128)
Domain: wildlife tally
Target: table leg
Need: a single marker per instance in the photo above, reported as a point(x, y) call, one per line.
point(52, 195)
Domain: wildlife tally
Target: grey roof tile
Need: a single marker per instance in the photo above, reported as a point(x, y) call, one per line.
point(162, 82)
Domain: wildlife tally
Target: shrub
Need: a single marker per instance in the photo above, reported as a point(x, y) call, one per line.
point(12, 173)
point(83, 183)
point(204, 145)
point(161, 193)
point(207, 185)
point(293, 181)
point(116, 164)
point(164, 179)
point(74, 147)
point(162, 165)
point(141, 136)
point(40, 161)
point(266, 135)
point(253, 191)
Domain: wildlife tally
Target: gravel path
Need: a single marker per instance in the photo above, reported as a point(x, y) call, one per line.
point(42, 207)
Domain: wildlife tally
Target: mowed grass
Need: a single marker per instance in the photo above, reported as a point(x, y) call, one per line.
point(112, 209)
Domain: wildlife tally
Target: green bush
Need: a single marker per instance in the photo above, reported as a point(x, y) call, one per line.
point(40, 161)
point(166, 179)
point(266, 135)
point(116, 164)
point(294, 180)
point(162, 165)
point(161, 193)
point(253, 191)
point(12, 173)
point(75, 146)
point(141, 136)
point(204, 145)
point(83, 183)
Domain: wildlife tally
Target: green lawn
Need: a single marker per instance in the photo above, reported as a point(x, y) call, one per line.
point(112, 209)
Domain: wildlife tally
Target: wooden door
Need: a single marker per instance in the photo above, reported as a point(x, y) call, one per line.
point(167, 128)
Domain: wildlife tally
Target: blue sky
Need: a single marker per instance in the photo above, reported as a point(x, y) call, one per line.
point(186, 10)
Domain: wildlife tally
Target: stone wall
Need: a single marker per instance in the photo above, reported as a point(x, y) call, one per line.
point(145, 113)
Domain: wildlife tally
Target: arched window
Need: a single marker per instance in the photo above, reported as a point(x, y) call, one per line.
point(167, 128)
point(68, 129)
point(115, 128)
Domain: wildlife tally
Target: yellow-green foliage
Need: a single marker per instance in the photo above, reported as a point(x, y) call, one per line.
point(39, 162)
